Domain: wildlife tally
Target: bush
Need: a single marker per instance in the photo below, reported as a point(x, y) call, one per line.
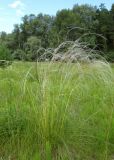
point(5, 54)
point(19, 55)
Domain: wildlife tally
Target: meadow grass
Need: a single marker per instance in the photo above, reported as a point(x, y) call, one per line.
point(57, 111)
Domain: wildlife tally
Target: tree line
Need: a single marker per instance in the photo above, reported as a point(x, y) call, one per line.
point(90, 24)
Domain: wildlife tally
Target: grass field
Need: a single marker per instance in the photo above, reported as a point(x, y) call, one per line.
point(57, 111)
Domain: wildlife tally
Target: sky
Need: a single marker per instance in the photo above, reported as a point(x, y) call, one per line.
point(11, 11)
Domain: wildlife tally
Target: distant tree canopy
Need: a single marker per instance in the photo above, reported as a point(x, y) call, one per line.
point(89, 23)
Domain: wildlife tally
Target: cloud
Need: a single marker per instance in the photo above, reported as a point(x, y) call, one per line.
point(18, 6)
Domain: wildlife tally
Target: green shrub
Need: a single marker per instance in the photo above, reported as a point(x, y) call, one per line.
point(19, 55)
point(5, 54)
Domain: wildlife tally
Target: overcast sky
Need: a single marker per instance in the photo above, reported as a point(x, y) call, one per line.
point(11, 11)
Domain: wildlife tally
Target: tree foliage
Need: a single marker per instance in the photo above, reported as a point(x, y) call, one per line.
point(84, 22)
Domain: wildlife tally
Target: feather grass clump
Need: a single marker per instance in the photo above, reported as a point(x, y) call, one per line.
point(55, 110)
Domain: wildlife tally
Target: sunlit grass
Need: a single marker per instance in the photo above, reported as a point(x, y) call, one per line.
point(57, 111)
